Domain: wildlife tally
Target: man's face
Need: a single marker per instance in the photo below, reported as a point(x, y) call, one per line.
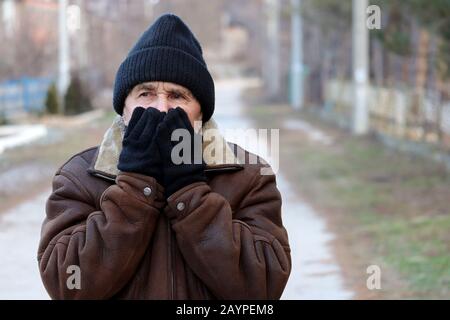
point(162, 96)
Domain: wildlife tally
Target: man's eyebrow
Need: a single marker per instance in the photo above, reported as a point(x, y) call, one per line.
point(152, 87)
point(179, 91)
point(145, 86)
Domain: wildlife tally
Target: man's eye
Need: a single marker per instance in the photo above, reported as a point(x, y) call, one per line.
point(176, 96)
point(145, 94)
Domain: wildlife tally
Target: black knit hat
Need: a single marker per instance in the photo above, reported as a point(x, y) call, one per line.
point(168, 51)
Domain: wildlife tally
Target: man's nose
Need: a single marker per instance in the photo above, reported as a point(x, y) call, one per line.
point(162, 104)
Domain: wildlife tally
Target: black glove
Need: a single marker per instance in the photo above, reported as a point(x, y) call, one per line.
point(140, 153)
point(177, 176)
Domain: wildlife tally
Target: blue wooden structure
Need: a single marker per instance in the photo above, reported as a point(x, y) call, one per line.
point(23, 95)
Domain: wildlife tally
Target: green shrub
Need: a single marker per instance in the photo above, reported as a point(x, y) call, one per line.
point(76, 99)
point(51, 102)
point(3, 120)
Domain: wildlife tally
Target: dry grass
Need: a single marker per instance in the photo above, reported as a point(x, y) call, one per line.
point(388, 208)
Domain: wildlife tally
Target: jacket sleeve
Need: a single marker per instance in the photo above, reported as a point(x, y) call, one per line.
point(238, 255)
point(105, 243)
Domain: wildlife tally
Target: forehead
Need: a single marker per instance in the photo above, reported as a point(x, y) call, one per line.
point(160, 85)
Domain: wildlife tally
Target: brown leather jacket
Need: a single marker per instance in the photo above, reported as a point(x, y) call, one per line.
point(218, 240)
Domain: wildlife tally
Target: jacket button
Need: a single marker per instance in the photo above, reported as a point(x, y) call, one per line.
point(180, 206)
point(147, 191)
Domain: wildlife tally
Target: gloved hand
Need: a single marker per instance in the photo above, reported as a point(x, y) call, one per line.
point(177, 176)
point(140, 153)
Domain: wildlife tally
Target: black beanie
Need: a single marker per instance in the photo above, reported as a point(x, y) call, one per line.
point(169, 52)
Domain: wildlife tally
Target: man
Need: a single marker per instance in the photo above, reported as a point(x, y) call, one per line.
point(125, 221)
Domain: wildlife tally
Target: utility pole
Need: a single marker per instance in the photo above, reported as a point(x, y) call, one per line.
point(296, 91)
point(63, 52)
point(9, 20)
point(149, 6)
point(272, 61)
point(9, 15)
point(80, 30)
point(360, 67)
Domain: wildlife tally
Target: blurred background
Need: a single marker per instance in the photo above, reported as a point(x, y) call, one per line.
point(359, 90)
